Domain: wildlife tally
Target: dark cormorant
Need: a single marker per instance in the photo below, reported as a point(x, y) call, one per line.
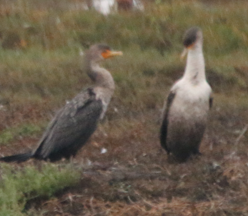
point(186, 110)
point(72, 125)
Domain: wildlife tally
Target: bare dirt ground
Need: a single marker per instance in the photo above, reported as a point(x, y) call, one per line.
point(135, 176)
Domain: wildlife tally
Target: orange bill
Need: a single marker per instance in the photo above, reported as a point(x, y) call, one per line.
point(185, 51)
point(109, 54)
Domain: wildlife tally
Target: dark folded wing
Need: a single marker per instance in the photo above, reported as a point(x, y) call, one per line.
point(72, 125)
point(211, 100)
point(163, 130)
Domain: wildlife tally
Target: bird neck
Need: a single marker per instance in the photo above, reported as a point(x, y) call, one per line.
point(100, 76)
point(195, 66)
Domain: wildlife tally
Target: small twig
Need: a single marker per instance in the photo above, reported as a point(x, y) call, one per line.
point(241, 134)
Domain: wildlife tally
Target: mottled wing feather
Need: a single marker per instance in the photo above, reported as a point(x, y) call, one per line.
point(163, 130)
point(72, 125)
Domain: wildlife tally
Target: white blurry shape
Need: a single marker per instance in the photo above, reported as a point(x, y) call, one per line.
point(103, 6)
point(215, 165)
point(103, 151)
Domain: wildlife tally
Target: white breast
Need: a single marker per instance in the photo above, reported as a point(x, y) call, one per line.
point(191, 101)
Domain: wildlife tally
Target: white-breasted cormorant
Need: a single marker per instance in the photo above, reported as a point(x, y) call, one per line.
point(186, 109)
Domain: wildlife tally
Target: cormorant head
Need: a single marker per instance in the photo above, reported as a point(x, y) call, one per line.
point(99, 52)
point(192, 38)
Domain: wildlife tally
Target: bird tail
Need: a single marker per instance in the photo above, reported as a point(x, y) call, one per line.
point(17, 158)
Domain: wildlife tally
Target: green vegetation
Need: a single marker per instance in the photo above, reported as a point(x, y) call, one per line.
point(18, 186)
point(48, 63)
point(7, 136)
point(40, 68)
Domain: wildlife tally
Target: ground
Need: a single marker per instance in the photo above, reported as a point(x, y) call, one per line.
point(135, 176)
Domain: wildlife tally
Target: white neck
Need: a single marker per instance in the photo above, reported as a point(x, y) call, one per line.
point(195, 66)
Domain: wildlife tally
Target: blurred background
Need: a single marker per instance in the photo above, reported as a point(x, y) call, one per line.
point(42, 44)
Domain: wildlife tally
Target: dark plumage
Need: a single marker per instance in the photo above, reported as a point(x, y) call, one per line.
point(163, 130)
point(190, 36)
point(77, 120)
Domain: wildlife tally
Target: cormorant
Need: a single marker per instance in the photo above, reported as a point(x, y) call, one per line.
point(185, 112)
point(72, 125)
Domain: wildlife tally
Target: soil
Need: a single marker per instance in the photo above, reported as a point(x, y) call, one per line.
point(136, 177)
